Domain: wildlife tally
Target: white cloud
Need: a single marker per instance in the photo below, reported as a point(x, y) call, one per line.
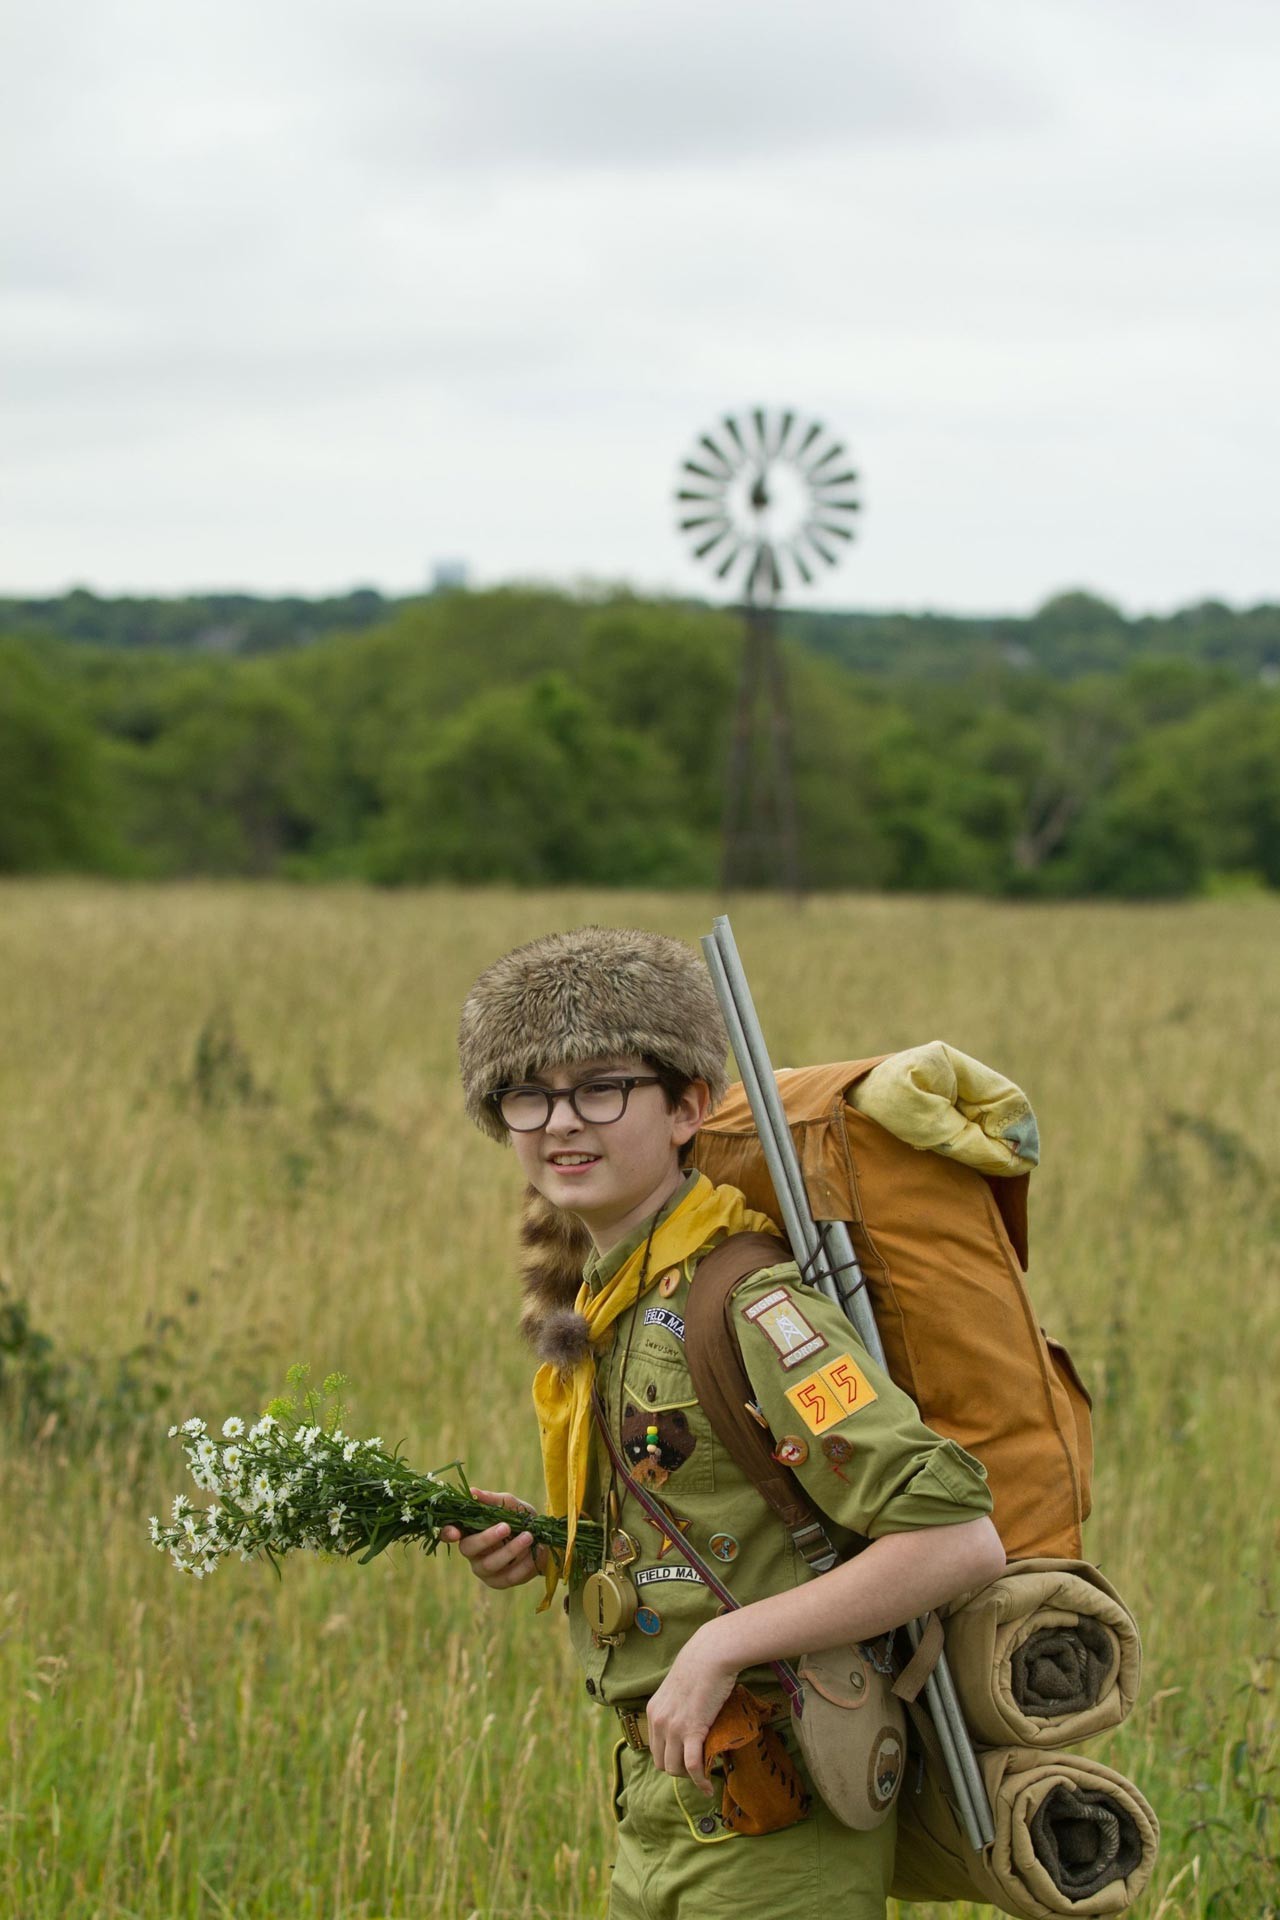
point(298, 295)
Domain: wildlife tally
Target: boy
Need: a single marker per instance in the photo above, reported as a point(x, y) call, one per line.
point(598, 1055)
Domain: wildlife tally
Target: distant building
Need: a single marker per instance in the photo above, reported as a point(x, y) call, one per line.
point(449, 576)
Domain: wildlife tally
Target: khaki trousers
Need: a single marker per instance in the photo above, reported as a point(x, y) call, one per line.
point(677, 1861)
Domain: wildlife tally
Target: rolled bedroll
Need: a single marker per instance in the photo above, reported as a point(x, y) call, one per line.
point(1073, 1838)
point(1048, 1655)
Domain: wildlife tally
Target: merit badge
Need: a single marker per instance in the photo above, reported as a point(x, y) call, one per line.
point(622, 1548)
point(832, 1394)
point(669, 1282)
point(837, 1451)
point(724, 1546)
point(778, 1316)
point(648, 1620)
point(791, 1450)
point(756, 1414)
point(667, 1535)
point(650, 1474)
point(884, 1768)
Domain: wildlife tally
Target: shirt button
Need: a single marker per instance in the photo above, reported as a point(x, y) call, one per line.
point(591, 1688)
point(651, 1393)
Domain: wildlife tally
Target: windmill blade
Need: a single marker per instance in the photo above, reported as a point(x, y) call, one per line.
point(717, 453)
point(705, 473)
point(848, 479)
point(808, 441)
point(835, 453)
point(705, 520)
point(827, 526)
point(823, 552)
point(700, 552)
point(731, 428)
point(839, 499)
point(761, 419)
point(691, 493)
point(788, 421)
point(726, 566)
point(800, 563)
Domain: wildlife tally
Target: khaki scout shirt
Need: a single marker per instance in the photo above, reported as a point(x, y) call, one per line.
point(883, 1470)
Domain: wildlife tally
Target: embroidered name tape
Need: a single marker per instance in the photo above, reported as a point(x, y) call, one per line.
point(655, 1576)
point(663, 1317)
point(833, 1393)
point(778, 1315)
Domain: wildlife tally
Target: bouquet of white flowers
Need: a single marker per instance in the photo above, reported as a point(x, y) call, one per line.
point(295, 1482)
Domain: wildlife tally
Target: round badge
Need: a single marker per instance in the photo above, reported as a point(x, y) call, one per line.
point(669, 1282)
point(648, 1621)
point(791, 1450)
point(837, 1450)
point(884, 1769)
point(724, 1546)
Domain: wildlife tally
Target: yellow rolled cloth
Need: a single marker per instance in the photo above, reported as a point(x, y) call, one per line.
point(1046, 1656)
point(938, 1098)
point(1072, 1838)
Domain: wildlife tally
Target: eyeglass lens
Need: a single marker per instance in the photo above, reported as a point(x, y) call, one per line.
point(525, 1109)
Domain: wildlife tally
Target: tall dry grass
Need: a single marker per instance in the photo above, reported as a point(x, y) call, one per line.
point(230, 1137)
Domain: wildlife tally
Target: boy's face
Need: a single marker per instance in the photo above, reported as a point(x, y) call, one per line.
point(612, 1176)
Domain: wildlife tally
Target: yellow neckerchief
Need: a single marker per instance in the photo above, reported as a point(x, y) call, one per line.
point(563, 1399)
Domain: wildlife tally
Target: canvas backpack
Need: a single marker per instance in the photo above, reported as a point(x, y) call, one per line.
point(943, 1249)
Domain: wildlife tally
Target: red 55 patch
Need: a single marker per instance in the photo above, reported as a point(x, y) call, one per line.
point(832, 1394)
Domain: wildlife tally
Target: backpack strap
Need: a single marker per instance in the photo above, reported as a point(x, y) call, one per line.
point(720, 1381)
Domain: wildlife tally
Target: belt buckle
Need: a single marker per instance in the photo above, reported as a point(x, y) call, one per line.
point(631, 1728)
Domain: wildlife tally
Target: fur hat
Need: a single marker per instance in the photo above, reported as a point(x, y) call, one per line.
point(585, 995)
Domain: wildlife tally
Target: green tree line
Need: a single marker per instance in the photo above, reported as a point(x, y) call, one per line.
point(537, 738)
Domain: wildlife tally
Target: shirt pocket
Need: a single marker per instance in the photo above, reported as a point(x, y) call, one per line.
point(658, 1402)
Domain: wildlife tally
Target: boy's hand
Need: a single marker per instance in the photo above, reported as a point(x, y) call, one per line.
point(499, 1556)
point(682, 1710)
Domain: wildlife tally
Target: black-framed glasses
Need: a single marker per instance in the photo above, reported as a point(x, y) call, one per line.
point(598, 1102)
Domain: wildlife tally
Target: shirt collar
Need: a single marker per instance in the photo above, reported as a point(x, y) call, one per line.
point(601, 1267)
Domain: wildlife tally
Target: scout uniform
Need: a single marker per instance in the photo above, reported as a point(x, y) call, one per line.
point(855, 1441)
point(862, 1453)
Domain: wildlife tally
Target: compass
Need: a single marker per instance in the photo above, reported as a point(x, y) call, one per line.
point(767, 498)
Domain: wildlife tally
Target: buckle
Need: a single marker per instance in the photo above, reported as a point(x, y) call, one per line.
point(631, 1728)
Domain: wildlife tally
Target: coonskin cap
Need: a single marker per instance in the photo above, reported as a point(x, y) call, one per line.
point(585, 995)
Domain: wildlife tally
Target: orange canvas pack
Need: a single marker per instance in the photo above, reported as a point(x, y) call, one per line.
point(943, 1249)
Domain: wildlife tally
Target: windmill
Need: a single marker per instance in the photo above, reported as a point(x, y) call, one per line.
point(766, 498)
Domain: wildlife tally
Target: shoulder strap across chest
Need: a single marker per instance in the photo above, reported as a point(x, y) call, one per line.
point(720, 1381)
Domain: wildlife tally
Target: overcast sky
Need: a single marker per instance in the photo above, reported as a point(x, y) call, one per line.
point(303, 296)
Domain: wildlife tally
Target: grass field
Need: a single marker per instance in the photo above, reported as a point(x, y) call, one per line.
point(231, 1139)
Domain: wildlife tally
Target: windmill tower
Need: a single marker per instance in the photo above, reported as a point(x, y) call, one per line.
point(763, 496)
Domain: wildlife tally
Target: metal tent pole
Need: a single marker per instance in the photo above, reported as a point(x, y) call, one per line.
point(830, 1262)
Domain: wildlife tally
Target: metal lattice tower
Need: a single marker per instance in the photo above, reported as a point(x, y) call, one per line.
point(763, 495)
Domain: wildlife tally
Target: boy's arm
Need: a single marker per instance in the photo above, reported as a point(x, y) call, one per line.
point(896, 1578)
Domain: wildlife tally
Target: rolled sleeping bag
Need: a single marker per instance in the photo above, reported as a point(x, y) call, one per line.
point(1046, 1656)
point(1073, 1838)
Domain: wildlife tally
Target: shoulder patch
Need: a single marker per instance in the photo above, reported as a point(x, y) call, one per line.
point(778, 1315)
point(832, 1394)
